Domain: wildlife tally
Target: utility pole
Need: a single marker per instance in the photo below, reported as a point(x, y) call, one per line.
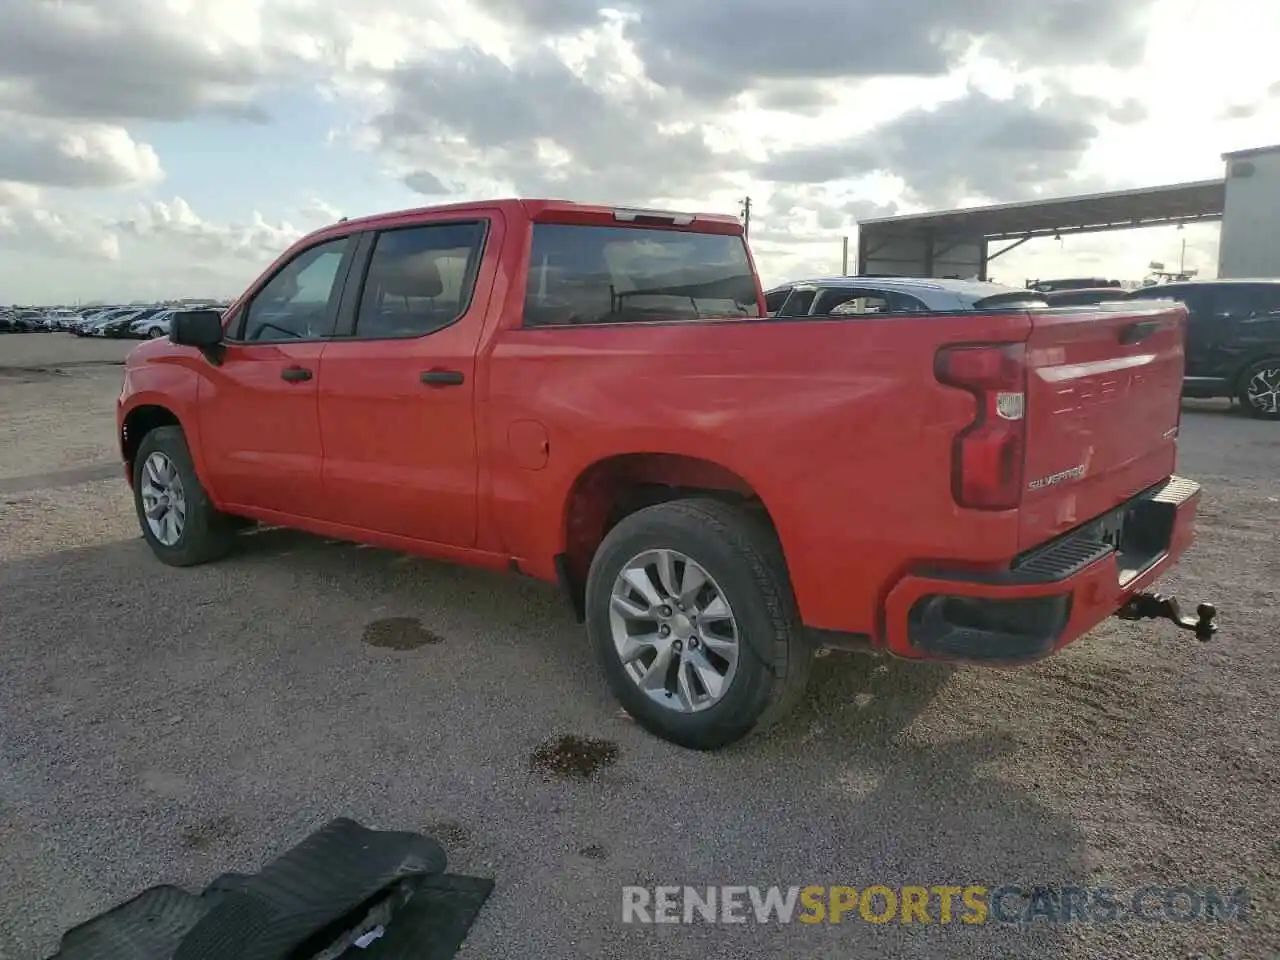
point(746, 217)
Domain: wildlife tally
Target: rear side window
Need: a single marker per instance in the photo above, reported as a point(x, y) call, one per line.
point(851, 301)
point(798, 303)
point(1245, 300)
point(1191, 296)
point(774, 300)
point(420, 279)
point(592, 275)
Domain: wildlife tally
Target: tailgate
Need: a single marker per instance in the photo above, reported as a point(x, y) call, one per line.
point(1104, 387)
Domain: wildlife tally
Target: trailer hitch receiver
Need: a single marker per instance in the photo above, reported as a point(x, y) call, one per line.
point(1155, 606)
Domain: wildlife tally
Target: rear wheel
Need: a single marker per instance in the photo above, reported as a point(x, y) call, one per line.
point(691, 613)
point(1259, 392)
point(178, 521)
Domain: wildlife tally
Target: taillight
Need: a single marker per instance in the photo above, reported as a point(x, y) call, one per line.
point(986, 460)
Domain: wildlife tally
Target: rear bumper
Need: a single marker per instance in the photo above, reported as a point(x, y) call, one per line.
point(1049, 596)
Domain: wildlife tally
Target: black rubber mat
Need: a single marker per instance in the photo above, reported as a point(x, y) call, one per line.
point(344, 892)
point(435, 921)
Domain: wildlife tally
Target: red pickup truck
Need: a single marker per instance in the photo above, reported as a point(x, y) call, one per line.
point(596, 397)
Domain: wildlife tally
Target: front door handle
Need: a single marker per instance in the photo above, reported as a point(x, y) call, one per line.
point(441, 378)
point(295, 374)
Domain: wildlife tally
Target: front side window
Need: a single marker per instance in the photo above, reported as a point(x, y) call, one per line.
point(593, 275)
point(420, 279)
point(298, 302)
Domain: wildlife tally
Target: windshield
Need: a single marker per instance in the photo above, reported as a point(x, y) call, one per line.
point(586, 274)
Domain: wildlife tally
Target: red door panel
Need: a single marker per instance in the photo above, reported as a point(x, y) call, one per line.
point(397, 395)
point(260, 431)
point(400, 454)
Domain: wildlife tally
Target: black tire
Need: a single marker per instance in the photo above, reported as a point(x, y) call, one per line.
point(1242, 394)
point(742, 554)
point(207, 534)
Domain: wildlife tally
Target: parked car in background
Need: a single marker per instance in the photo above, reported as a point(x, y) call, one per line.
point(139, 321)
point(1233, 340)
point(1083, 296)
point(118, 326)
point(152, 325)
point(841, 296)
point(1072, 283)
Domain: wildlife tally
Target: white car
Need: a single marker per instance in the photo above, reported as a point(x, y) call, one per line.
point(856, 296)
point(152, 327)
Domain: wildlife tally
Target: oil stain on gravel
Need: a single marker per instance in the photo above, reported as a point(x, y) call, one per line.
point(399, 633)
point(574, 757)
point(206, 834)
point(448, 833)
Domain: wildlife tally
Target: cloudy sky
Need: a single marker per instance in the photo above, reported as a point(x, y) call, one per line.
point(174, 147)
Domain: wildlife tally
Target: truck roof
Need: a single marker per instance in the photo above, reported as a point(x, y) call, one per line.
point(535, 209)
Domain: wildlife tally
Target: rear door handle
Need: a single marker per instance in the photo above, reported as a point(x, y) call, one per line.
point(295, 374)
point(441, 378)
point(1137, 332)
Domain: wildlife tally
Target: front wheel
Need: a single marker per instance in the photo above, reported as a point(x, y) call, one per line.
point(1260, 389)
point(178, 521)
point(154, 333)
point(692, 616)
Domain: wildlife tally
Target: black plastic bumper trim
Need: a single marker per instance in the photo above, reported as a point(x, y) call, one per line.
point(986, 630)
point(1148, 527)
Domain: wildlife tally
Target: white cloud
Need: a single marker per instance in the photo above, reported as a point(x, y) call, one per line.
point(53, 153)
point(179, 229)
point(821, 110)
point(317, 210)
point(29, 226)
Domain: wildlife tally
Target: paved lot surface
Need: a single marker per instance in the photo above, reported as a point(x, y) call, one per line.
point(164, 726)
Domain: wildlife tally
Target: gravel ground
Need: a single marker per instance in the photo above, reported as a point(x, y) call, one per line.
point(159, 725)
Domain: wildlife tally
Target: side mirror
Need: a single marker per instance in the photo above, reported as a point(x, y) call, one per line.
point(201, 329)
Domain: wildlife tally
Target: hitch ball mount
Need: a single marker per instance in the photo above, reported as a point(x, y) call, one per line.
point(1155, 606)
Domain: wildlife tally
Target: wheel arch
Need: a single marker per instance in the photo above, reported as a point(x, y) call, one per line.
point(149, 413)
point(140, 421)
point(615, 487)
point(1259, 356)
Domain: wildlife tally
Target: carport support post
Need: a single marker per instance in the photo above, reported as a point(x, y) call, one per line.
point(862, 252)
point(987, 257)
point(844, 258)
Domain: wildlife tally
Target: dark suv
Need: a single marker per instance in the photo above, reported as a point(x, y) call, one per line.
point(1233, 340)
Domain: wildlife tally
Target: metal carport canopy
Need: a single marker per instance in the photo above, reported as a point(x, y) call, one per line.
point(959, 238)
